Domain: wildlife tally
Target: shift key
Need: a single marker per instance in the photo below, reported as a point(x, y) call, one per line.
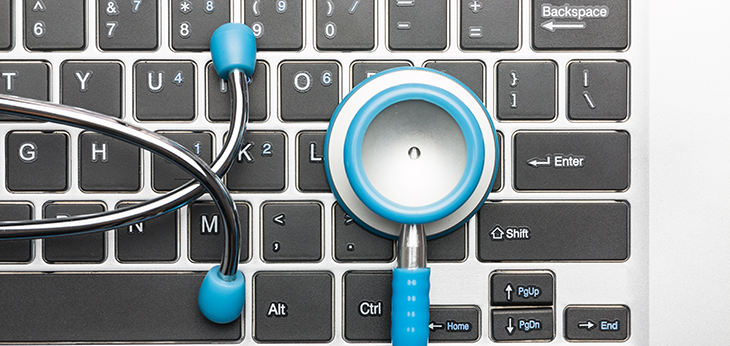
point(584, 161)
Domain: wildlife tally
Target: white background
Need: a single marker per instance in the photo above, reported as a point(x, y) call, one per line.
point(690, 173)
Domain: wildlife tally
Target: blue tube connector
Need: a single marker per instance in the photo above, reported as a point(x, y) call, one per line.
point(233, 46)
point(410, 307)
point(221, 299)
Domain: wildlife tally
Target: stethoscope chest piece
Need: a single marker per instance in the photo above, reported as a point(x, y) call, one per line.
point(411, 146)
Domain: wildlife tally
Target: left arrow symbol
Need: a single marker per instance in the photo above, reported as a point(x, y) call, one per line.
point(433, 326)
point(280, 219)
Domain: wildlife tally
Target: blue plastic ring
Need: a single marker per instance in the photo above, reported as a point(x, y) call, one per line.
point(383, 206)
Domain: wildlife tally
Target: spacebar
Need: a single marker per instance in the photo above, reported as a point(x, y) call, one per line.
point(106, 307)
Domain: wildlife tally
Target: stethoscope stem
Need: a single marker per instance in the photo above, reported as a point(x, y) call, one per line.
point(412, 247)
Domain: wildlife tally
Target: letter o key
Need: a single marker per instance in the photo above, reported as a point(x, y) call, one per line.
point(302, 81)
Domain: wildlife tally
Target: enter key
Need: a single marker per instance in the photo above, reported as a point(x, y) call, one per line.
point(570, 161)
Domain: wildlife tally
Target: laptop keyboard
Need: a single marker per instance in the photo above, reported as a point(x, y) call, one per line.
point(558, 253)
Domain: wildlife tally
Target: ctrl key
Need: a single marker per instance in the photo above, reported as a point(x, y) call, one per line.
point(522, 324)
point(597, 323)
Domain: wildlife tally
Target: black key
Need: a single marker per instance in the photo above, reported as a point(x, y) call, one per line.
point(108, 164)
point(218, 99)
point(522, 324)
point(90, 248)
point(498, 180)
point(454, 323)
point(36, 161)
point(6, 24)
point(345, 25)
point(361, 70)
point(260, 164)
point(127, 25)
point(293, 306)
point(29, 79)
point(310, 163)
point(16, 250)
point(309, 91)
point(571, 161)
point(582, 25)
point(164, 91)
point(96, 86)
point(597, 323)
point(542, 231)
point(107, 307)
point(166, 175)
point(193, 22)
point(598, 90)
point(55, 25)
point(512, 288)
point(354, 243)
point(291, 231)
point(471, 73)
point(277, 25)
point(527, 90)
point(448, 248)
point(490, 24)
point(417, 24)
point(367, 306)
point(205, 231)
point(148, 241)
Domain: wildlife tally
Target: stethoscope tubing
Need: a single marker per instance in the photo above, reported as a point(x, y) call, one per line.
point(207, 176)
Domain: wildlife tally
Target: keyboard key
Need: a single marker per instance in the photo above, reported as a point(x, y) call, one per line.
point(16, 250)
point(277, 25)
point(498, 180)
point(598, 90)
point(522, 324)
point(205, 227)
point(55, 25)
point(361, 70)
point(490, 24)
point(127, 25)
point(84, 248)
point(582, 24)
point(293, 307)
point(96, 86)
point(154, 240)
point(36, 161)
point(108, 164)
point(551, 231)
point(345, 25)
point(571, 161)
point(354, 243)
point(166, 175)
point(218, 99)
point(454, 323)
point(310, 162)
point(291, 231)
point(6, 24)
point(107, 307)
point(471, 73)
point(513, 288)
point(527, 90)
point(260, 164)
point(367, 306)
point(193, 22)
point(417, 25)
point(449, 248)
point(597, 323)
point(164, 91)
point(309, 91)
point(29, 79)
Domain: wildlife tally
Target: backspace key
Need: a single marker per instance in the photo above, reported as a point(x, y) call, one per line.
point(580, 25)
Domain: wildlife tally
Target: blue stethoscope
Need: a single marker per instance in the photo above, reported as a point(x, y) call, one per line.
point(410, 153)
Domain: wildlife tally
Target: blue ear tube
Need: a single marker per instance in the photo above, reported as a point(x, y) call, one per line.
point(221, 296)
